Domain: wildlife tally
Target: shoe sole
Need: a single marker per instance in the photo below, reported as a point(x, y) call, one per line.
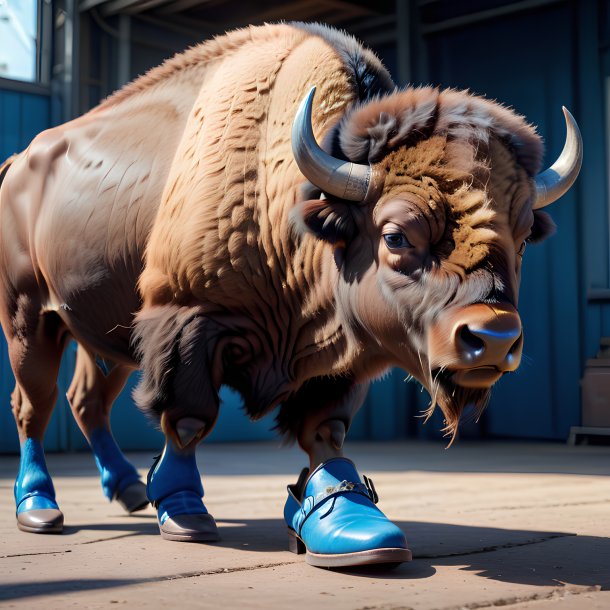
point(189, 537)
point(207, 531)
point(392, 556)
point(52, 529)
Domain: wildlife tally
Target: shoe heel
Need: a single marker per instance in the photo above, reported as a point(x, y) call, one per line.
point(295, 544)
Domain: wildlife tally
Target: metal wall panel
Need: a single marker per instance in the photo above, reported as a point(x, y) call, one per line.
point(22, 116)
point(535, 76)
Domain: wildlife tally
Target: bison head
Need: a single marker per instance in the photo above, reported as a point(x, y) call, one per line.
point(430, 198)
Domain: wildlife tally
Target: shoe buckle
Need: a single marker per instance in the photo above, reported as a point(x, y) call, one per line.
point(370, 486)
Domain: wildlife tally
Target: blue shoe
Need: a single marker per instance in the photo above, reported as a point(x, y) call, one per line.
point(175, 491)
point(37, 510)
point(337, 523)
point(120, 480)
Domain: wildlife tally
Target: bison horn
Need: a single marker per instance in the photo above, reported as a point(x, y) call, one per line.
point(552, 183)
point(342, 179)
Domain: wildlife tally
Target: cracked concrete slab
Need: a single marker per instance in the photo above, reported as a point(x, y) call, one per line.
point(503, 524)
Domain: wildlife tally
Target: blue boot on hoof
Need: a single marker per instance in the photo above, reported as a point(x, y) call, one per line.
point(120, 480)
point(332, 518)
point(175, 490)
point(37, 510)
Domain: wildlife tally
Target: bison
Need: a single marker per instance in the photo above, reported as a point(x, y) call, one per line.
point(266, 211)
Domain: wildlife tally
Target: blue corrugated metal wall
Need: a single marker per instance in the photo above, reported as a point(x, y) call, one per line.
point(22, 116)
point(536, 77)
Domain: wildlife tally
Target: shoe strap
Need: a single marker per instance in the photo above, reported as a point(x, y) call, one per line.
point(37, 494)
point(311, 503)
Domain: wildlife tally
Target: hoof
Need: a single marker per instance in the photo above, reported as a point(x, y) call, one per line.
point(41, 521)
point(190, 528)
point(189, 429)
point(133, 498)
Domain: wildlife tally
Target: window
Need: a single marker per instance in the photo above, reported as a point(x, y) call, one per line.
point(19, 39)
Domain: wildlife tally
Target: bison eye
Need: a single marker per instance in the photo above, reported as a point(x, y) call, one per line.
point(396, 240)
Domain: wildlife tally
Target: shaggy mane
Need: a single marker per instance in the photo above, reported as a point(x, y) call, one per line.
point(372, 130)
point(368, 74)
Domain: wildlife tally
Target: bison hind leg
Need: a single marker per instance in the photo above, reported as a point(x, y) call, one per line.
point(35, 344)
point(91, 395)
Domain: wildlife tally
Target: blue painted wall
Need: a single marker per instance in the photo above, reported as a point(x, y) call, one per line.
point(536, 77)
point(22, 116)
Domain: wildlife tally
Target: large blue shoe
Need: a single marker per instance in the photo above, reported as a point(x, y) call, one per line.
point(336, 523)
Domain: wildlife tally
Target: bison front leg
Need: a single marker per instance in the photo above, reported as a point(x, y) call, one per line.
point(91, 395)
point(175, 346)
point(319, 416)
point(331, 511)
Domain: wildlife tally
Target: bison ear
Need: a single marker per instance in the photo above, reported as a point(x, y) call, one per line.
point(542, 228)
point(329, 220)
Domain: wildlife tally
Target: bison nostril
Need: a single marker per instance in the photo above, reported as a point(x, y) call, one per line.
point(474, 345)
point(516, 346)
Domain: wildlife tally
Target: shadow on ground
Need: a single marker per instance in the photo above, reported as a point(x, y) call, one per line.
point(514, 556)
point(517, 556)
point(134, 528)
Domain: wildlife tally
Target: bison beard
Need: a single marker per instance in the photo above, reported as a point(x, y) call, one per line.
point(453, 400)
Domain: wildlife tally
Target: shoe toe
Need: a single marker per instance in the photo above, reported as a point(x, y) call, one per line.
point(357, 535)
point(372, 534)
point(133, 497)
point(190, 528)
point(41, 521)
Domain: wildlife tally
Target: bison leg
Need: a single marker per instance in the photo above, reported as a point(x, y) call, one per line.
point(35, 344)
point(175, 346)
point(319, 416)
point(91, 395)
point(330, 512)
point(175, 489)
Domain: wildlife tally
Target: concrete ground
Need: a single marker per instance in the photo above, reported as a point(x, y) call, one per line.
point(496, 524)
